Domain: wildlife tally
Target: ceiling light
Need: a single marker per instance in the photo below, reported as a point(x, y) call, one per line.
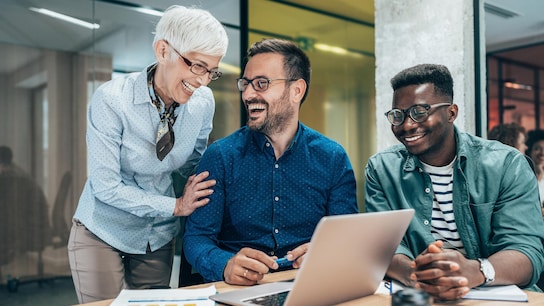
point(336, 50)
point(67, 18)
point(499, 11)
point(514, 85)
point(149, 11)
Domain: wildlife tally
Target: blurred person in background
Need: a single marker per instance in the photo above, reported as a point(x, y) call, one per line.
point(535, 150)
point(511, 134)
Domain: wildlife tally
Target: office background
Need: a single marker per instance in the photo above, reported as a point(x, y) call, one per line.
point(49, 69)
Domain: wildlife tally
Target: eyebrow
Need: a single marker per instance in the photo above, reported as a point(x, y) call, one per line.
point(205, 64)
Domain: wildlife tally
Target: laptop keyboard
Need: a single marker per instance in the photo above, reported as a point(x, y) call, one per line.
point(276, 299)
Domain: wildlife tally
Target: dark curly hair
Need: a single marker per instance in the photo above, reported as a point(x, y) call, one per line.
point(507, 133)
point(533, 137)
point(438, 75)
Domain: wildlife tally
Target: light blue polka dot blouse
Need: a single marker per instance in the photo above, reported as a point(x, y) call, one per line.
point(128, 199)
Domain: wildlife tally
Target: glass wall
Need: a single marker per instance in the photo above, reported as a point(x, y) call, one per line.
point(340, 103)
point(49, 69)
point(515, 93)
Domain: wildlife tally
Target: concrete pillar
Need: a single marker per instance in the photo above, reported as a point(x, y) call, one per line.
point(426, 31)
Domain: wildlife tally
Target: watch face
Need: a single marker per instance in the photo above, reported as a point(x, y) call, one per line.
point(487, 269)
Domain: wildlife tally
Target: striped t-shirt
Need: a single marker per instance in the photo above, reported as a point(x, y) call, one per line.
point(443, 225)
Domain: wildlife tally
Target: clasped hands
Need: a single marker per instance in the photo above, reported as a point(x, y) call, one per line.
point(249, 266)
point(445, 274)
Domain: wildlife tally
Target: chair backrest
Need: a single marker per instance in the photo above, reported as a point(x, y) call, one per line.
point(187, 276)
point(24, 221)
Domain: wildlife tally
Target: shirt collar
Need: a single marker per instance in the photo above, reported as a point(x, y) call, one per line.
point(261, 139)
point(141, 82)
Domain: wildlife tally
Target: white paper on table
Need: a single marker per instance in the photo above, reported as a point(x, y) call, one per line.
point(497, 293)
point(383, 289)
point(163, 297)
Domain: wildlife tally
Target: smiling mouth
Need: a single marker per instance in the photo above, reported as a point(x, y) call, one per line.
point(256, 108)
point(413, 138)
point(188, 86)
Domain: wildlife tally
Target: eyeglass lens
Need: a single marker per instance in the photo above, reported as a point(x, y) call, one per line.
point(201, 70)
point(418, 113)
point(259, 84)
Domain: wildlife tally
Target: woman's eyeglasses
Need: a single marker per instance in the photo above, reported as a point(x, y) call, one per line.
point(418, 113)
point(197, 68)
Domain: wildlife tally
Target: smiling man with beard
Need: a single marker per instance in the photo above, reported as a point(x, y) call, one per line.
point(275, 178)
point(477, 218)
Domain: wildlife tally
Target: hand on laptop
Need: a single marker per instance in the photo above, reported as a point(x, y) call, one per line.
point(248, 267)
point(441, 273)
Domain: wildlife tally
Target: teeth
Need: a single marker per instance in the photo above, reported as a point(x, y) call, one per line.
point(256, 106)
point(413, 138)
point(188, 86)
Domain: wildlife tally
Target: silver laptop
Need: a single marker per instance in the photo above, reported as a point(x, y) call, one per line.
point(347, 259)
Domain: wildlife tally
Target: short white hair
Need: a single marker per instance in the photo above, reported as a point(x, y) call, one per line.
point(192, 30)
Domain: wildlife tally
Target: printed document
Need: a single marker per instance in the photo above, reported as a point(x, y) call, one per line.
point(166, 297)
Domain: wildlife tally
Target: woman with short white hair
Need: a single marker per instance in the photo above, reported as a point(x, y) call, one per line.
point(141, 128)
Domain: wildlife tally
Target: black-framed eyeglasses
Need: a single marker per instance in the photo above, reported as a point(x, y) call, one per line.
point(197, 68)
point(418, 113)
point(259, 84)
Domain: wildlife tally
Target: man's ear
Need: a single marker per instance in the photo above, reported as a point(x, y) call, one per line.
point(453, 110)
point(298, 89)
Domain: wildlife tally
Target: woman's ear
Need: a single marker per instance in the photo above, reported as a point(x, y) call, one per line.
point(161, 50)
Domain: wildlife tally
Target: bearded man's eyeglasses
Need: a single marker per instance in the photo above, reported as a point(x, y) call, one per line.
point(196, 68)
point(418, 113)
point(259, 84)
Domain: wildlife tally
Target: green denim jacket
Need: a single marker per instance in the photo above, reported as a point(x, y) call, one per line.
point(495, 199)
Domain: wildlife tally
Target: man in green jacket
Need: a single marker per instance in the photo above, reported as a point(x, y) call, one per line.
point(477, 219)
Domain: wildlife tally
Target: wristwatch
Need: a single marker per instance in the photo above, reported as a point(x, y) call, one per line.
point(488, 271)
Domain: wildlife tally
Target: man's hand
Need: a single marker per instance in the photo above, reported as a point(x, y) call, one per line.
point(297, 255)
point(194, 195)
point(248, 267)
point(445, 274)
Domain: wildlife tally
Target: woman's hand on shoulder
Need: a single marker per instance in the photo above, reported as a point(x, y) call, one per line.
point(195, 194)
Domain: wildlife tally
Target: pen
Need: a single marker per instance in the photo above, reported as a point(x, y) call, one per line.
point(390, 287)
point(284, 262)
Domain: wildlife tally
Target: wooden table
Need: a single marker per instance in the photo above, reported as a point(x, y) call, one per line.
point(535, 298)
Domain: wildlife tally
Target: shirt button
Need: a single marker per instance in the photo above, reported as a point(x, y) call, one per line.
point(276, 231)
point(426, 222)
point(267, 144)
point(271, 253)
point(427, 190)
point(276, 199)
point(276, 166)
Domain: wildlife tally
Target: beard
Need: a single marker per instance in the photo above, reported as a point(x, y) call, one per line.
point(277, 117)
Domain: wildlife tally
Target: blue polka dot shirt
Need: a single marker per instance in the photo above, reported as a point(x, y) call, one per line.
point(263, 203)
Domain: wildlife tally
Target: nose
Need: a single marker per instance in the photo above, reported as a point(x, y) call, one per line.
point(408, 123)
point(248, 93)
point(204, 79)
